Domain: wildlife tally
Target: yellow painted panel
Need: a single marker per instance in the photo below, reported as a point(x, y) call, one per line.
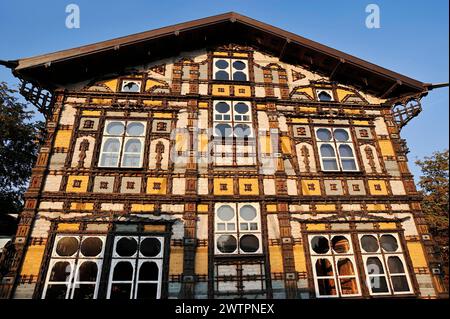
point(240, 54)
point(377, 187)
point(203, 105)
point(33, 259)
point(276, 259)
point(357, 122)
point(201, 261)
point(83, 185)
point(229, 186)
point(261, 106)
point(342, 94)
point(326, 208)
point(286, 145)
point(203, 208)
point(181, 142)
point(91, 113)
point(387, 225)
point(316, 226)
point(224, 90)
point(299, 258)
point(154, 228)
point(271, 207)
point(386, 148)
point(352, 111)
point(295, 120)
point(101, 101)
point(306, 90)
point(68, 226)
point(308, 109)
point(220, 53)
point(152, 103)
point(111, 84)
point(266, 144)
point(306, 187)
point(152, 187)
point(254, 188)
point(151, 83)
point(142, 207)
point(417, 254)
point(245, 90)
point(203, 143)
point(162, 115)
point(62, 138)
point(176, 260)
point(375, 207)
point(81, 206)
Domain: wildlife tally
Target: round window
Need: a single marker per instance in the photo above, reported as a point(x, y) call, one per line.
point(341, 135)
point(320, 245)
point(323, 134)
point(222, 107)
point(91, 246)
point(67, 246)
point(340, 244)
point(150, 247)
point(223, 130)
point(115, 128)
point(135, 129)
point(248, 212)
point(241, 108)
point(249, 243)
point(126, 246)
point(389, 243)
point(238, 65)
point(221, 64)
point(226, 244)
point(225, 213)
point(242, 130)
point(369, 243)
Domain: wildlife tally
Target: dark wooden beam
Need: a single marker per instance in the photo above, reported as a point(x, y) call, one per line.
point(338, 64)
point(392, 88)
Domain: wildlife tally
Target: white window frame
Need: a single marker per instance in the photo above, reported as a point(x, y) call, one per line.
point(123, 139)
point(238, 232)
point(329, 92)
point(335, 145)
point(230, 69)
point(125, 82)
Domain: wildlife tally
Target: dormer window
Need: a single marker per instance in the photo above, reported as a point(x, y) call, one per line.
point(131, 86)
point(324, 95)
point(230, 69)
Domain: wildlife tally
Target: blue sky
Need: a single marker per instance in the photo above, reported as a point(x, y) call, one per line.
point(413, 39)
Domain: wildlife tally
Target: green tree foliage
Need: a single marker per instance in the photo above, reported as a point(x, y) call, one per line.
point(19, 141)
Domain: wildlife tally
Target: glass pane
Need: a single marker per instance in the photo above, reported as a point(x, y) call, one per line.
point(374, 266)
point(123, 271)
point(320, 245)
point(223, 130)
point(253, 226)
point(324, 267)
point(378, 284)
point(147, 291)
point(249, 243)
point(340, 244)
point(132, 160)
point(222, 64)
point(87, 271)
point(115, 128)
point(238, 65)
point(242, 130)
point(239, 76)
point(130, 87)
point(243, 226)
point(126, 246)
point(221, 226)
point(84, 291)
point(323, 134)
point(400, 283)
point(348, 165)
point(133, 146)
point(326, 150)
point(345, 151)
point(135, 129)
point(226, 243)
point(341, 135)
point(56, 292)
point(225, 213)
point(120, 291)
point(150, 247)
point(149, 271)
point(67, 246)
point(91, 246)
point(109, 159)
point(345, 267)
point(348, 286)
point(222, 107)
point(111, 145)
point(241, 108)
point(327, 287)
point(369, 243)
point(222, 75)
point(231, 226)
point(248, 212)
point(388, 243)
point(395, 265)
point(61, 271)
point(324, 97)
point(330, 165)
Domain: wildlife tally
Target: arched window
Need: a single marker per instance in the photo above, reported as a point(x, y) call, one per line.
point(230, 69)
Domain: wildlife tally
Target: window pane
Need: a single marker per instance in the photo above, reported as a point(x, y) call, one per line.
point(348, 286)
point(91, 246)
point(239, 76)
point(133, 146)
point(324, 267)
point(241, 108)
point(84, 291)
point(320, 245)
point(239, 65)
point(340, 244)
point(327, 287)
point(150, 247)
point(56, 292)
point(345, 267)
point(123, 271)
point(226, 243)
point(400, 283)
point(324, 97)
point(374, 266)
point(323, 134)
point(87, 271)
point(61, 271)
point(147, 291)
point(132, 160)
point(222, 75)
point(111, 145)
point(115, 128)
point(348, 165)
point(341, 135)
point(330, 165)
point(222, 107)
point(120, 291)
point(225, 213)
point(222, 64)
point(126, 246)
point(242, 130)
point(388, 243)
point(223, 130)
point(249, 243)
point(369, 243)
point(149, 271)
point(135, 129)
point(130, 87)
point(378, 284)
point(326, 150)
point(345, 151)
point(109, 159)
point(248, 212)
point(67, 246)
point(395, 265)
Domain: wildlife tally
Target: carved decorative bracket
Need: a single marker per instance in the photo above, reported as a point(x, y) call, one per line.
point(406, 109)
point(38, 96)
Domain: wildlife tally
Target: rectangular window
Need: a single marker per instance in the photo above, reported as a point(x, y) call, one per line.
point(230, 69)
point(122, 144)
point(237, 228)
point(384, 264)
point(334, 268)
point(336, 149)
